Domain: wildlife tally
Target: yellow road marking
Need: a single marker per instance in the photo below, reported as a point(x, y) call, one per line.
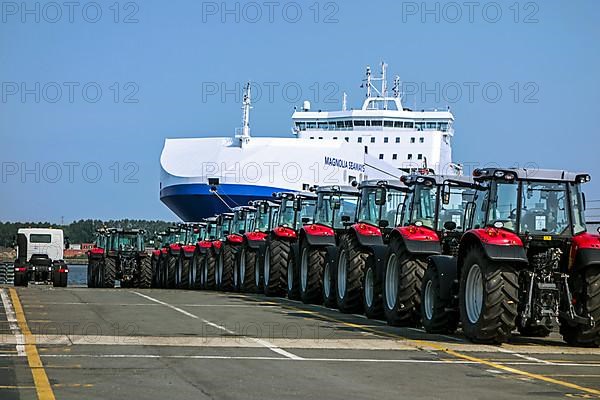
point(424, 343)
point(40, 379)
point(69, 385)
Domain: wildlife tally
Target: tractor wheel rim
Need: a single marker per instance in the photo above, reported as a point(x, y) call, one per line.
point(474, 293)
point(257, 271)
point(290, 276)
point(236, 276)
point(428, 300)
point(267, 267)
point(204, 274)
point(220, 270)
point(327, 281)
point(192, 272)
point(242, 266)
point(369, 287)
point(304, 270)
point(391, 282)
point(179, 271)
point(341, 275)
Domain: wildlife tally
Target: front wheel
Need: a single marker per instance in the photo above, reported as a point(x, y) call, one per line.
point(586, 293)
point(436, 317)
point(312, 265)
point(226, 268)
point(275, 267)
point(248, 270)
point(488, 299)
point(145, 277)
point(91, 272)
point(351, 265)
point(109, 271)
point(293, 277)
point(372, 294)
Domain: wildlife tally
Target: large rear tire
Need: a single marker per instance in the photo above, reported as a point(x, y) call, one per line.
point(402, 286)
point(372, 294)
point(183, 272)
point(226, 266)
point(21, 279)
point(586, 292)
point(248, 264)
point(195, 277)
point(208, 269)
point(329, 288)
point(489, 295)
point(109, 270)
point(275, 267)
point(91, 273)
point(59, 279)
point(436, 317)
point(351, 266)
point(312, 265)
point(145, 276)
point(293, 277)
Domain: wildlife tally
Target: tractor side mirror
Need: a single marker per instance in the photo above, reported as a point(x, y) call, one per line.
point(380, 195)
point(345, 218)
point(384, 223)
point(446, 193)
point(449, 225)
point(305, 220)
point(584, 202)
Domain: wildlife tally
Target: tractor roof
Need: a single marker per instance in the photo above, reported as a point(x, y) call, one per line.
point(270, 203)
point(437, 179)
point(295, 195)
point(126, 231)
point(555, 175)
point(396, 184)
point(337, 189)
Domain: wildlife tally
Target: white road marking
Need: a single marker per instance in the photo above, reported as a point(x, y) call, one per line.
point(262, 342)
point(525, 357)
point(151, 305)
point(13, 324)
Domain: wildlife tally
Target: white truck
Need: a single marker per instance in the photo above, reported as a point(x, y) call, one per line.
point(40, 257)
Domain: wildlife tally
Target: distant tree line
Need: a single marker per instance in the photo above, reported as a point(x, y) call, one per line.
point(81, 231)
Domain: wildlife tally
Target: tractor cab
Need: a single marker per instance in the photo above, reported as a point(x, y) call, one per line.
point(336, 206)
point(210, 232)
point(265, 215)
point(295, 210)
point(125, 241)
point(380, 205)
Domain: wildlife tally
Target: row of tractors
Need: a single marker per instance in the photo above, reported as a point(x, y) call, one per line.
point(504, 250)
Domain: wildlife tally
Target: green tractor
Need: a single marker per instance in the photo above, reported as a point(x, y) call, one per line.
point(126, 260)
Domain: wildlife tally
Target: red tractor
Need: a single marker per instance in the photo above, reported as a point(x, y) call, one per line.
point(430, 224)
point(171, 247)
point(335, 211)
point(525, 262)
point(225, 249)
point(362, 250)
point(280, 272)
point(96, 258)
point(205, 258)
point(253, 246)
point(186, 276)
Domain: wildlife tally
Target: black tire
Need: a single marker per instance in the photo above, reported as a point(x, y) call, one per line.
point(59, 279)
point(91, 273)
point(404, 273)
point(154, 263)
point(372, 294)
point(209, 267)
point(351, 265)
point(497, 316)
point(537, 331)
point(109, 270)
point(275, 267)
point(145, 276)
point(436, 317)
point(328, 285)
point(195, 276)
point(293, 276)
point(21, 279)
point(258, 271)
point(312, 264)
point(182, 272)
point(586, 290)
point(171, 265)
point(248, 270)
point(226, 266)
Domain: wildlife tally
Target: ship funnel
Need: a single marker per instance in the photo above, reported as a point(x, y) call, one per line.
point(306, 105)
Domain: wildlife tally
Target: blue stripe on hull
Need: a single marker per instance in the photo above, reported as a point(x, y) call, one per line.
point(194, 201)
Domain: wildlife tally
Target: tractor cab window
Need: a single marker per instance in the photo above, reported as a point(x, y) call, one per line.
point(544, 208)
point(125, 242)
point(368, 210)
point(333, 207)
point(261, 221)
point(454, 211)
point(578, 209)
point(239, 222)
point(287, 213)
point(213, 231)
point(393, 206)
point(225, 228)
point(372, 213)
point(478, 212)
point(424, 206)
point(503, 205)
point(308, 209)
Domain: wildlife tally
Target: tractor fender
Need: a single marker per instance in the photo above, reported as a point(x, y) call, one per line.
point(367, 235)
point(418, 239)
point(318, 235)
point(585, 251)
point(188, 251)
point(254, 240)
point(447, 272)
point(497, 244)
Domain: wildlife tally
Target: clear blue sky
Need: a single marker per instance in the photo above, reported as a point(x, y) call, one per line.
point(544, 57)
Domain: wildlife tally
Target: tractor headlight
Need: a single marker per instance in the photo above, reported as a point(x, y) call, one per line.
point(499, 174)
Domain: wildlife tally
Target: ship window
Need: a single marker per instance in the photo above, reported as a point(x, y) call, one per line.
point(397, 140)
point(385, 140)
point(323, 125)
point(366, 149)
point(421, 140)
point(359, 122)
point(372, 140)
point(332, 125)
point(320, 137)
point(394, 156)
point(339, 124)
point(376, 123)
point(348, 124)
point(388, 124)
point(412, 139)
point(410, 156)
point(335, 138)
point(419, 125)
point(442, 126)
point(381, 156)
point(409, 125)
point(368, 123)
point(419, 156)
point(312, 137)
point(431, 125)
point(347, 139)
point(397, 124)
point(311, 125)
point(301, 126)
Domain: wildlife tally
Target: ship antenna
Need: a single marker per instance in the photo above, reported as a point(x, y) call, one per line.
point(368, 79)
point(344, 102)
point(396, 88)
point(246, 106)
point(383, 80)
